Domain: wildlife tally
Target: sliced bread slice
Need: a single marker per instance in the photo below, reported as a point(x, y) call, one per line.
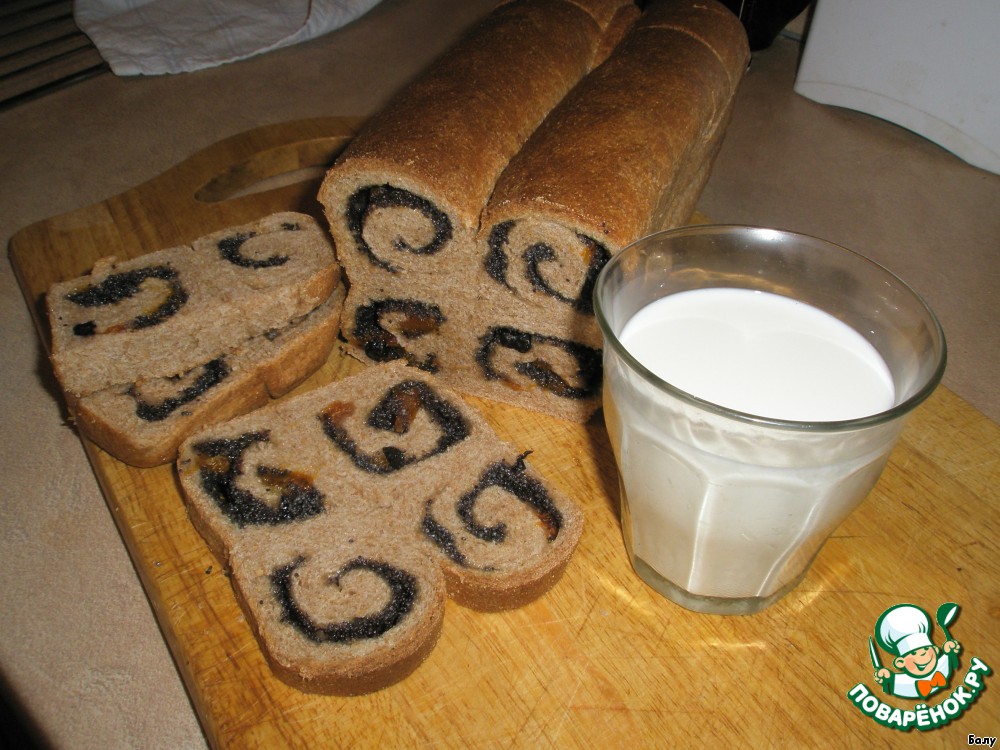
point(348, 514)
point(142, 423)
point(164, 313)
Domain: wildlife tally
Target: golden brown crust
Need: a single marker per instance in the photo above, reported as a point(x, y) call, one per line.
point(605, 156)
point(365, 680)
point(605, 12)
point(482, 595)
point(711, 23)
point(615, 30)
point(468, 110)
point(465, 110)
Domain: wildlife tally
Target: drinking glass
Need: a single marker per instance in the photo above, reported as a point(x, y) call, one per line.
point(723, 511)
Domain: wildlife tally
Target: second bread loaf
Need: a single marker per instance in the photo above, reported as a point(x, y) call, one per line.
point(627, 152)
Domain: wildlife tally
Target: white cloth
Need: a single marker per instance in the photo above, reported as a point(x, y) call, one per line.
point(152, 37)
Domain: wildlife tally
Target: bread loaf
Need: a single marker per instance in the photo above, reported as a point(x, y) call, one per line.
point(405, 195)
point(628, 150)
point(348, 514)
point(503, 309)
point(625, 153)
point(167, 312)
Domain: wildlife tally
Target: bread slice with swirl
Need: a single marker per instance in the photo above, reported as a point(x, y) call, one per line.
point(348, 514)
point(164, 313)
point(142, 423)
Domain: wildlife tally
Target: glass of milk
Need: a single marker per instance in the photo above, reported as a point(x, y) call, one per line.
point(755, 382)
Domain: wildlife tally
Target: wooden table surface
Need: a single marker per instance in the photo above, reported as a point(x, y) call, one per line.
point(601, 660)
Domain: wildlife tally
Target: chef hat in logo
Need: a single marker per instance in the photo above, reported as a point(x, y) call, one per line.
point(903, 628)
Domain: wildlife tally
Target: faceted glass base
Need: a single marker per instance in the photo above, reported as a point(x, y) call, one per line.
point(711, 605)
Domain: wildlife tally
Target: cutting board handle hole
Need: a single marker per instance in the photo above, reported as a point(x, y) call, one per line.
point(274, 168)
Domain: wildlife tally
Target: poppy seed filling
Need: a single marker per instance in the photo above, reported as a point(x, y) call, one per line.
point(222, 463)
point(212, 373)
point(118, 287)
point(381, 345)
point(365, 201)
point(514, 480)
point(394, 414)
point(403, 591)
point(539, 371)
point(231, 248)
point(497, 265)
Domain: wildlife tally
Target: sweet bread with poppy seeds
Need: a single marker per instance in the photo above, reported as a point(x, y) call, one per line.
point(348, 514)
point(151, 348)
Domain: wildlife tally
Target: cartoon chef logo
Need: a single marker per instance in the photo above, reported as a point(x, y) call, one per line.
point(921, 667)
point(918, 669)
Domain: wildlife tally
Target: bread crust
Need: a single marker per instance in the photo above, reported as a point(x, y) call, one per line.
point(464, 110)
point(610, 154)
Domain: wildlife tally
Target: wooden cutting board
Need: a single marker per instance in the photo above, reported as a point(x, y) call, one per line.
point(601, 660)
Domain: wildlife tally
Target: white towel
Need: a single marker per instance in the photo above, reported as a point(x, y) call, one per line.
point(151, 37)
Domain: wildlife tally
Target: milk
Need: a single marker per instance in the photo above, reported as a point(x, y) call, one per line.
point(720, 507)
point(760, 353)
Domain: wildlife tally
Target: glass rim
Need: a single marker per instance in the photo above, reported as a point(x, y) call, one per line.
point(888, 415)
